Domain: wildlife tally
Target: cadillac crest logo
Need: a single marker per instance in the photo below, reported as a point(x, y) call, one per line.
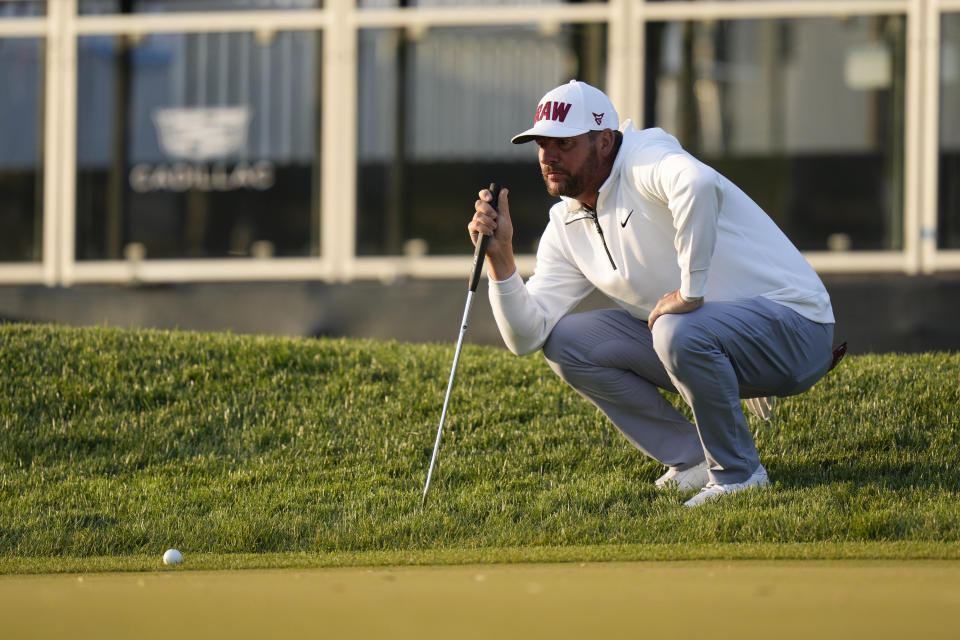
point(199, 140)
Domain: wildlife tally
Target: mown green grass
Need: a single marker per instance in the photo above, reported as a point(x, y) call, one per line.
point(119, 444)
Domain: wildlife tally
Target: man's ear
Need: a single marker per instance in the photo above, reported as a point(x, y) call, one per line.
point(608, 140)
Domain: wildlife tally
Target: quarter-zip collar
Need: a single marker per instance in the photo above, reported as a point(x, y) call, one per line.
point(586, 212)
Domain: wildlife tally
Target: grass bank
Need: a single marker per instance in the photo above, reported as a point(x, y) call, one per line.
point(119, 444)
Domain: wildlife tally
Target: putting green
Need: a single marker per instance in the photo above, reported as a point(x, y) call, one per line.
point(716, 599)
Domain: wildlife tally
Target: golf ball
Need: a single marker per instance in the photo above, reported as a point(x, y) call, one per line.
point(172, 556)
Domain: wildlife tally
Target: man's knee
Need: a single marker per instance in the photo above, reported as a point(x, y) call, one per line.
point(676, 338)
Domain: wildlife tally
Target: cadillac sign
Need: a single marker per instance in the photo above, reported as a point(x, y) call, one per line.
point(199, 139)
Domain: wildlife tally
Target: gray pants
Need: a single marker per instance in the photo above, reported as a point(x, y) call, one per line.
point(712, 357)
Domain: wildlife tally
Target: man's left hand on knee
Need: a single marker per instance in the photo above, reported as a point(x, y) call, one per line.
point(673, 302)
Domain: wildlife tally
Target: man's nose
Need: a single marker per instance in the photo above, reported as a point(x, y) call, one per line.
point(547, 155)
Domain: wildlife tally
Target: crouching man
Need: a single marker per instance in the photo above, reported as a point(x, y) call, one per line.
point(715, 303)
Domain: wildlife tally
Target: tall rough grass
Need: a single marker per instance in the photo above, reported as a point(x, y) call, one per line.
point(121, 442)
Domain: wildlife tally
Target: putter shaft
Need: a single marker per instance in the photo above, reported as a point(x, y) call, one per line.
point(479, 254)
point(446, 399)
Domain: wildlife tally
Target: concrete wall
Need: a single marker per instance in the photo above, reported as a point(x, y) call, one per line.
point(875, 312)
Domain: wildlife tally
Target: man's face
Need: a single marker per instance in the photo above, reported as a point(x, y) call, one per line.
point(570, 166)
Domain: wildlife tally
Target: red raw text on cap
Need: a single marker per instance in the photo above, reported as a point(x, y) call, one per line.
point(553, 111)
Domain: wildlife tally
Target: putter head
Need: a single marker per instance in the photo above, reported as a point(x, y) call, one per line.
point(426, 487)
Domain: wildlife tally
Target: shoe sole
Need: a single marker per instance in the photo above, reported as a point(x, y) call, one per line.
point(760, 485)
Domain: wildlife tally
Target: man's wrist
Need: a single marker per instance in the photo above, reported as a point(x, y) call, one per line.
point(692, 299)
point(501, 270)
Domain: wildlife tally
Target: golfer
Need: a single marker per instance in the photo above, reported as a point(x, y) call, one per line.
point(714, 301)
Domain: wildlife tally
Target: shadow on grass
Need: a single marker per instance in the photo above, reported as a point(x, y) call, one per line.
point(903, 475)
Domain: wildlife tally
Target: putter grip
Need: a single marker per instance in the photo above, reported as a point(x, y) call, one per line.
point(481, 251)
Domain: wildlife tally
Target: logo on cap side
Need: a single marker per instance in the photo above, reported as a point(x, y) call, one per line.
point(598, 117)
point(553, 111)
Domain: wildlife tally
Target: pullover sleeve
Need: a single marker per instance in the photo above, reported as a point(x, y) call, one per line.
point(526, 313)
point(693, 193)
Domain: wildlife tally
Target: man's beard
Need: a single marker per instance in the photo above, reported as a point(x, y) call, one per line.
point(576, 183)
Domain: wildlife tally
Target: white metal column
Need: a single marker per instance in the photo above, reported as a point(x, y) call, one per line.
point(625, 55)
point(52, 110)
point(66, 145)
point(339, 146)
point(913, 160)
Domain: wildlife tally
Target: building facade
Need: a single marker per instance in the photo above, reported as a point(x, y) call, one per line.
point(341, 140)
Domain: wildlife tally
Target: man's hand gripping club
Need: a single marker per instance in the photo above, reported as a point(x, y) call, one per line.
point(496, 224)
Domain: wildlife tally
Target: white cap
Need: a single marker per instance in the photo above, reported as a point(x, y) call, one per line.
point(570, 110)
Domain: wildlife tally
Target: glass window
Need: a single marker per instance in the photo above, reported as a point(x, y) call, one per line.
point(393, 4)
point(21, 149)
point(22, 9)
point(171, 6)
point(198, 145)
point(436, 114)
point(949, 200)
point(805, 115)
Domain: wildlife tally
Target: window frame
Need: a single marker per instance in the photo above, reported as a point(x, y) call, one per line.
point(340, 22)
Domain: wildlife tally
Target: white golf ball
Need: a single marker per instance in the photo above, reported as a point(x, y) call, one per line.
point(172, 556)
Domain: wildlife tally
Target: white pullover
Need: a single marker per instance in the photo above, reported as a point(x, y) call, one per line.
point(664, 221)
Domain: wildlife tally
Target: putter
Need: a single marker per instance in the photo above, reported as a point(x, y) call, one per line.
point(478, 255)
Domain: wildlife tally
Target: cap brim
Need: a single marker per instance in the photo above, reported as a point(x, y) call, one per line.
point(548, 130)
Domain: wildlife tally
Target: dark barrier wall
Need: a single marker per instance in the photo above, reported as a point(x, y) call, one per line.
point(875, 312)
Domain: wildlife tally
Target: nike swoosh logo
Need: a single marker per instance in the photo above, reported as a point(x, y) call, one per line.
point(624, 223)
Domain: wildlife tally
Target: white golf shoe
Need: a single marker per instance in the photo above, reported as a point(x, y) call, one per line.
point(695, 477)
point(714, 490)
